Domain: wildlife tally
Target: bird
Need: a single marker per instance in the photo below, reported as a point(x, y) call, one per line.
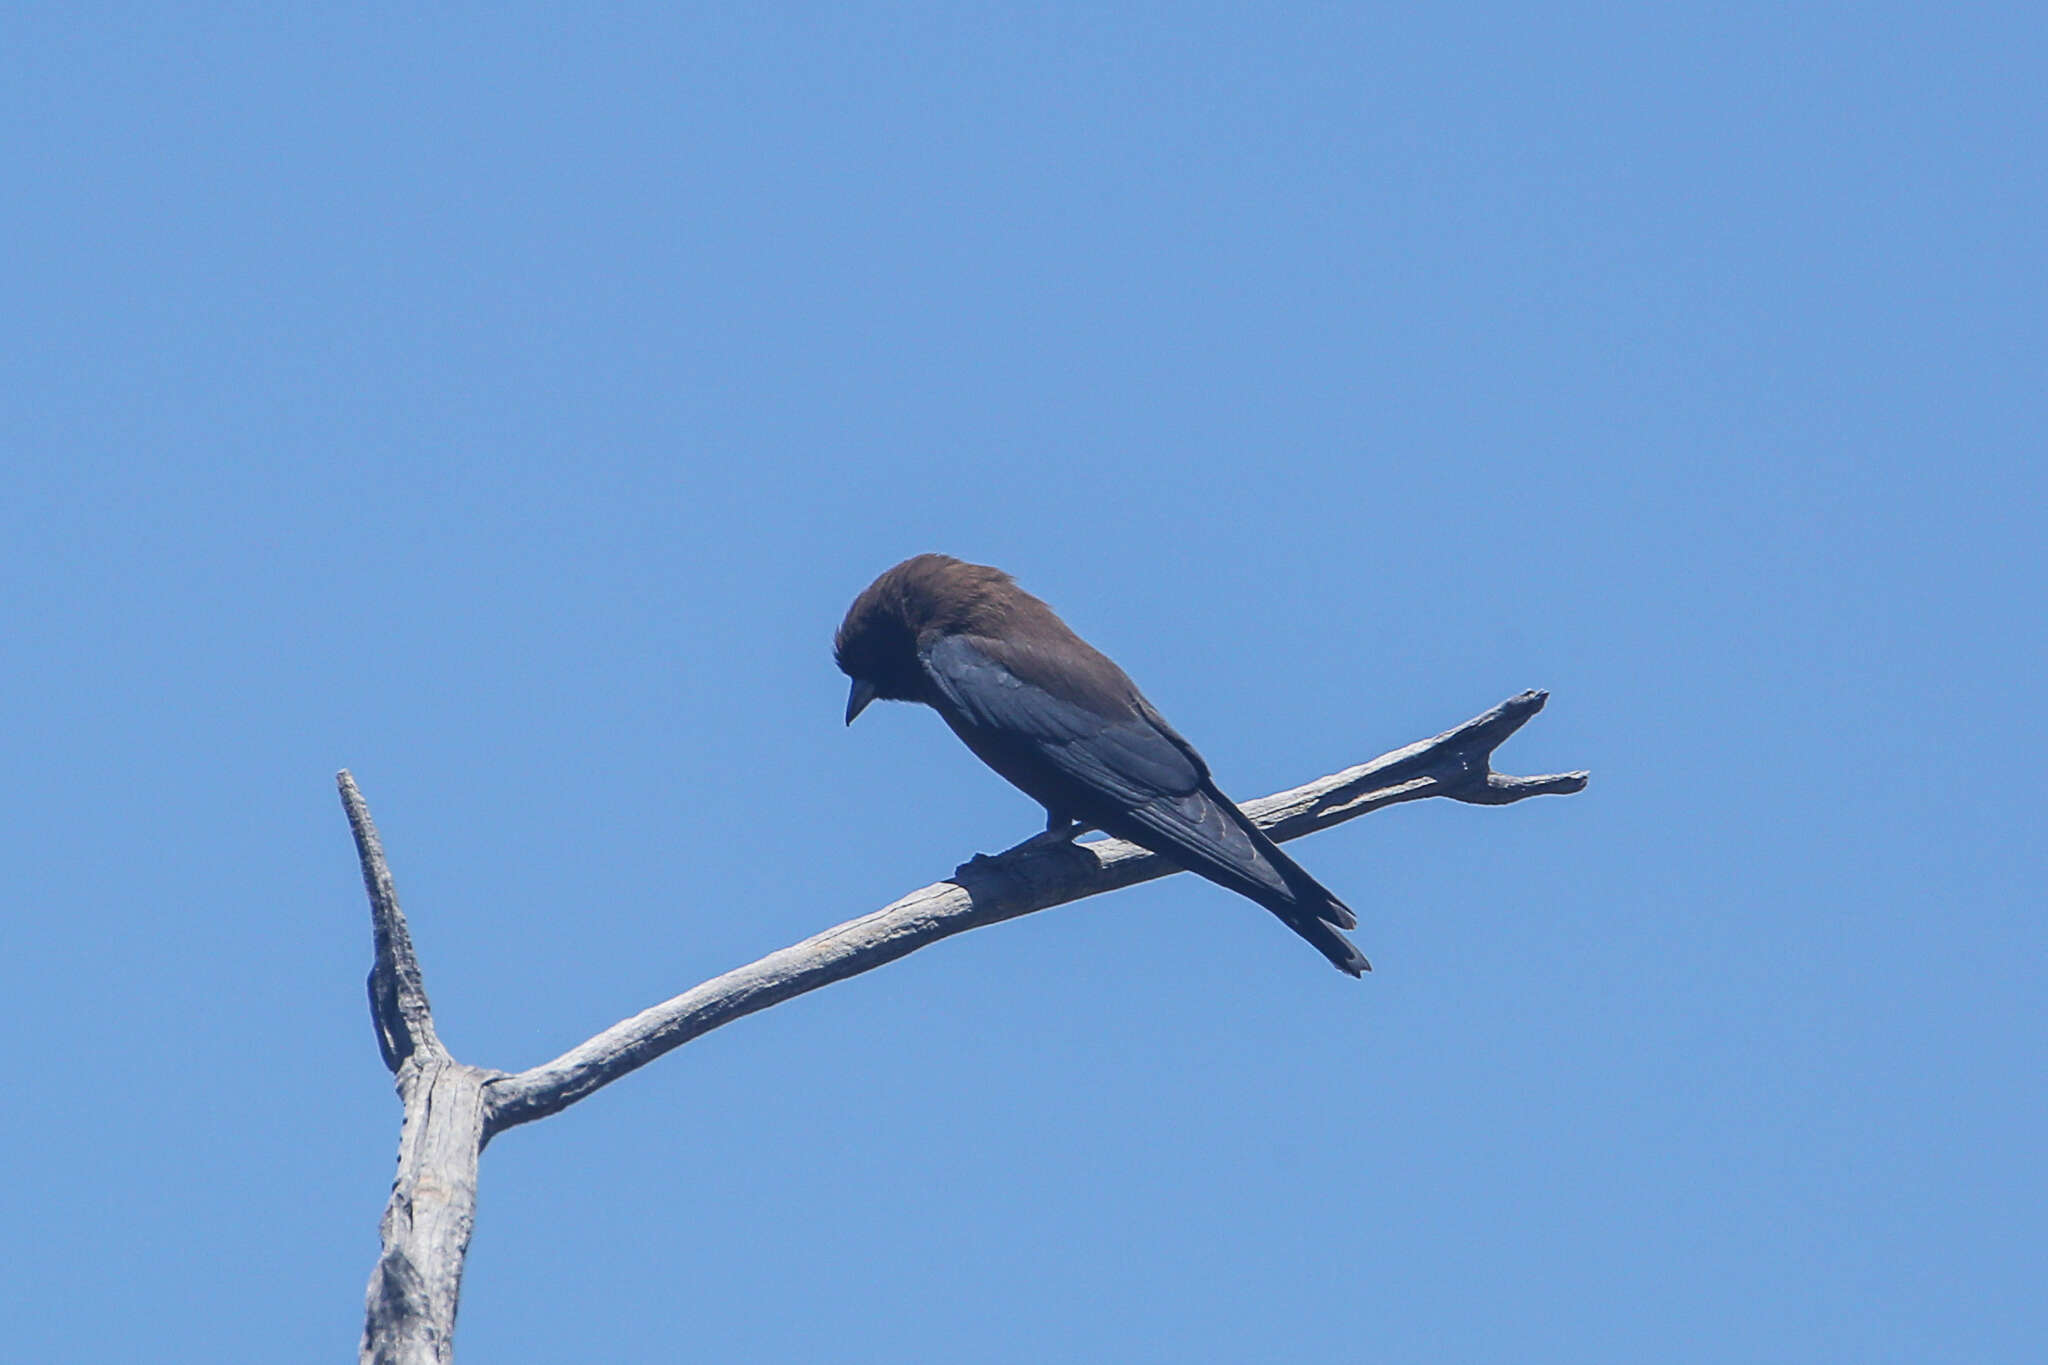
point(1062, 723)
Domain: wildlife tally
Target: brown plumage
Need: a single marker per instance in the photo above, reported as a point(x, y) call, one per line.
point(1053, 715)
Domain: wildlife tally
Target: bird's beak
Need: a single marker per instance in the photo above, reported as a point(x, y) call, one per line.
point(858, 698)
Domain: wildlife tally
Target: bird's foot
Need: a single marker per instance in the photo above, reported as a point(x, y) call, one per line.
point(1053, 837)
point(1055, 834)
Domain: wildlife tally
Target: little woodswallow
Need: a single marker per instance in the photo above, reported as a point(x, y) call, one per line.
point(1043, 708)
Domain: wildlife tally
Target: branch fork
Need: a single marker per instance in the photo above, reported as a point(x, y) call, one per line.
point(452, 1109)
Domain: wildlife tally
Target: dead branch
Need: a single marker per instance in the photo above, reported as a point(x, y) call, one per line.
point(452, 1110)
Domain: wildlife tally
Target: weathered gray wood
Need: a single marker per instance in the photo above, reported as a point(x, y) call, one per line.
point(409, 1310)
point(398, 993)
point(1035, 875)
point(452, 1110)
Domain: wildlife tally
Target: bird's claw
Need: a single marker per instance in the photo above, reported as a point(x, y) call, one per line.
point(1065, 832)
point(1061, 837)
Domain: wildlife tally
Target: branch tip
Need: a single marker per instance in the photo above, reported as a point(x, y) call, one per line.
point(399, 1011)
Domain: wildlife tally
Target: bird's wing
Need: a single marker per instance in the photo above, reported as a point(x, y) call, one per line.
point(1144, 770)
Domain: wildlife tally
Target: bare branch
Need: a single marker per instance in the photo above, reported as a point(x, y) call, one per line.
point(398, 994)
point(1035, 875)
point(1457, 763)
point(409, 1310)
point(452, 1110)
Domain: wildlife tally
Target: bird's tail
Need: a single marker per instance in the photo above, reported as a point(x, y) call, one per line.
point(1314, 912)
point(1316, 926)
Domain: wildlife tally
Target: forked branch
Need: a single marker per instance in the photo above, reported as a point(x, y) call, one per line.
point(452, 1110)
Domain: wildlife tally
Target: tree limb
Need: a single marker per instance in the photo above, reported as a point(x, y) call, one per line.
point(452, 1110)
point(409, 1309)
point(398, 993)
point(1033, 876)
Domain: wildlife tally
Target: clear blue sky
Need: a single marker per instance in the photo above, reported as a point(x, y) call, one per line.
point(505, 402)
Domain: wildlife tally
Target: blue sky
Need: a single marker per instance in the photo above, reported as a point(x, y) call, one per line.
point(504, 403)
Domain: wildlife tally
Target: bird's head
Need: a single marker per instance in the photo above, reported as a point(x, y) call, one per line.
point(926, 595)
